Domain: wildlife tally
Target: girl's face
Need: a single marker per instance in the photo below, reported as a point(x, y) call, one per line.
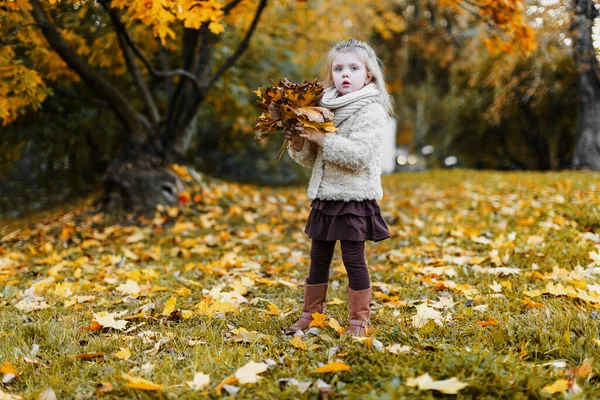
point(349, 73)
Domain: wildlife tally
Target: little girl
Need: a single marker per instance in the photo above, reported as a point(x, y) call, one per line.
point(345, 183)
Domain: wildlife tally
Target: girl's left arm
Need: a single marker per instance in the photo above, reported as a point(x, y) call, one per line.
point(356, 151)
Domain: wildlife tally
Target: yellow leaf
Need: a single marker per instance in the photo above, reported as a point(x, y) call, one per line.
point(123, 354)
point(318, 320)
point(273, 310)
point(216, 27)
point(298, 343)
point(334, 367)
point(336, 325)
point(533, 293)
point(559, 386)
point(183, 292)
point(6, 368)
point(335, 302)
point(140, 383)
point(169, 306)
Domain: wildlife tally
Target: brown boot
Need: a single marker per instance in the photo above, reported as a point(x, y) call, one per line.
point(359, 312)
point(314, 301)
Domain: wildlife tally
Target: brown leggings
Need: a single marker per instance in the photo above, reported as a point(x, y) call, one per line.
point(353, 256)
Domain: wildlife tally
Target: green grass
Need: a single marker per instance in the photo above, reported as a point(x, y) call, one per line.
point(433, 216)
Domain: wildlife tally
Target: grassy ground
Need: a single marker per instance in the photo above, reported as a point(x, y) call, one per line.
point(482, 242)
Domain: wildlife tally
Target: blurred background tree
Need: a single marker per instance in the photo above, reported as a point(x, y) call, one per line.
point(493, 83)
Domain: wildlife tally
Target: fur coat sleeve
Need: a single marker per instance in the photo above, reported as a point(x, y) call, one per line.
point(306, 156)
point(357, 150)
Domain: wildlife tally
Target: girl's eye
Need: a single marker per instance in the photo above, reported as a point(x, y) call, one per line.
point(354, 68)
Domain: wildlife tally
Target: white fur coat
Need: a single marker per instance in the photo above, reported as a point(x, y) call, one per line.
point(347, 167)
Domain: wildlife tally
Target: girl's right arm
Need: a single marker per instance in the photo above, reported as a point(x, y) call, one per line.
point(302, 151)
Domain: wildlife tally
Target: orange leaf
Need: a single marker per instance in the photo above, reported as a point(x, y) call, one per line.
point(334, 367)
point(491, 321)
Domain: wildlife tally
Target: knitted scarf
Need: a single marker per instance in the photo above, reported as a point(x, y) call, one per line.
point(345, 106)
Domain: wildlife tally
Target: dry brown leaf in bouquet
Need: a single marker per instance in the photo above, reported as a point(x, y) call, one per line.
point(285, 103)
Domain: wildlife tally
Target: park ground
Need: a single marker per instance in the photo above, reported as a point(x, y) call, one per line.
point(490, 284)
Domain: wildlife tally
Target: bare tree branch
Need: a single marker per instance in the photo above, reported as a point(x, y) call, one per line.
point(132, 67)
point(92, 78)
point(151, 70)
point(230, 6)
point(241, 48)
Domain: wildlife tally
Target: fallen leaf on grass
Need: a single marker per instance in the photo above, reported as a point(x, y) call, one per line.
point(129, 288)
point(140, 383)
point(200, 381)
point(318, 320)
point(298, 343)
point(9, 372)
point(398, 349)
point(584, 370)
point(335, 302)
point(32, 303)
point(123, 354)
point(107, 320)
point(558, 386)
point(89, 356)
point(245, 336)
point(225, 382)
point(424, 314)
point(169, 306)
point(334, 367)
point(490, 321)
point(336, 325)
point(447, 386)
point(249, 372)
point(8, 396)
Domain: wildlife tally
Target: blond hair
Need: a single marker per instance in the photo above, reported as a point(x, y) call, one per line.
point(374, 67)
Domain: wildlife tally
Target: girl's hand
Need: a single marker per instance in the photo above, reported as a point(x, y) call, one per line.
point(313, 135)
point(292, 131)
point(292, 134)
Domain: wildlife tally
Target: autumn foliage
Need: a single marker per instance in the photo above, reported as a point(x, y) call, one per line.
point(286, 104)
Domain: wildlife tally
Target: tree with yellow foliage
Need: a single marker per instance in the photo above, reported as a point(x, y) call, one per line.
point(165, 47)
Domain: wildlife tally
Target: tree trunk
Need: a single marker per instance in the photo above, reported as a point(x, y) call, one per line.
point(138, 179)
point(587, 137)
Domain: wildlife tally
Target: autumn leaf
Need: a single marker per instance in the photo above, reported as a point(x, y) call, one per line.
point(107, 320)
point(199, 382)
point(123, 354)
point(490, 321)
point(140, 383)
point(559, 385)
point(90, 356)
point(318, 320)
point(9, 372)
point(338, 366)
point(169, 306)
point(129, 288)
point(286, 103)
point(298, 343)
point(446, 386)
point(249, 372)
point(333, 323)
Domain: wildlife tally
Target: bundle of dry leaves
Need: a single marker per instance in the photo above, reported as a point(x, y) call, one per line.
point(284, 104)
